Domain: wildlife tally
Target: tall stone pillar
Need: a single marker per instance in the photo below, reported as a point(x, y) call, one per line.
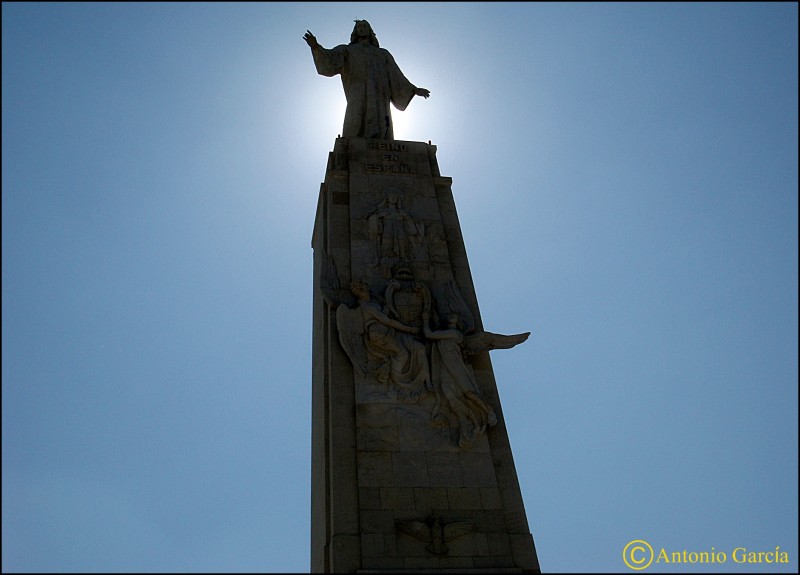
point(411, 463)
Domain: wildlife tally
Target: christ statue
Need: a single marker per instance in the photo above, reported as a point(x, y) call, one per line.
point(371, 79)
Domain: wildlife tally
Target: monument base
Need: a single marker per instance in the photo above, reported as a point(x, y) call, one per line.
point(411, 464)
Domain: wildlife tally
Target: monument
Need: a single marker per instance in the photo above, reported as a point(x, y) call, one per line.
point(411, 463)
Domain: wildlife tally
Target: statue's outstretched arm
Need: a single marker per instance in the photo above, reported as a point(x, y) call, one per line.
point(386, 320)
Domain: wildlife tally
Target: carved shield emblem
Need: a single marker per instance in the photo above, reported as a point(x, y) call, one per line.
point(407, 300)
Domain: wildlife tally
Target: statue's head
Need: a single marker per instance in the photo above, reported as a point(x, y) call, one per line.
point(360, 289)
point(393, 195)
point(362, 28)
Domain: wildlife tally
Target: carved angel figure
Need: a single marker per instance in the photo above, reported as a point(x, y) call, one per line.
point(432, 531)
point(376, 343)
point(453, 379)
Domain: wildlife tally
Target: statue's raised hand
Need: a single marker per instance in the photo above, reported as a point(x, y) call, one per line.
point(310, 39)
point(422, 92)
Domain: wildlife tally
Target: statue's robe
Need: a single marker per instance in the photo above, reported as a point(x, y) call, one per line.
point(371, 79)
point(456, 382)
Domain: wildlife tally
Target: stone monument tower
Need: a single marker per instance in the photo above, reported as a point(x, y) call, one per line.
point(411, 464)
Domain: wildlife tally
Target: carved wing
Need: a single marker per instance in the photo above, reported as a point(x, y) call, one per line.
point(456, 529)
point(417, 529)
point(350, 323)
point(333, 293)
point(456, 304)
point(487, 341)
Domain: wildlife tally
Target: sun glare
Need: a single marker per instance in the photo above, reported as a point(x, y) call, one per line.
point(322, 113)
point(400, 124)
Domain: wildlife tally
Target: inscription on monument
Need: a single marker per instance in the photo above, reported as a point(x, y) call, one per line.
point(388, 158)
point(390, 168)
point(390, 146)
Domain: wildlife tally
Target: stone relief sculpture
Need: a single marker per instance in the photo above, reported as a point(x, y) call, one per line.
point(434, 532)
point(455, 382)
point(371, 80)
point(453, 303)
point(392, 343)
point(392, 231)
point(487, 341)
point(383, 346)
point(407, 299)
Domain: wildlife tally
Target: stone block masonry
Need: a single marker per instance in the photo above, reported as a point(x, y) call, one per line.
point(411, 465)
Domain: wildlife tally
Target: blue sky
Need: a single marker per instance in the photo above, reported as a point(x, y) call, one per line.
point(627, 185)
